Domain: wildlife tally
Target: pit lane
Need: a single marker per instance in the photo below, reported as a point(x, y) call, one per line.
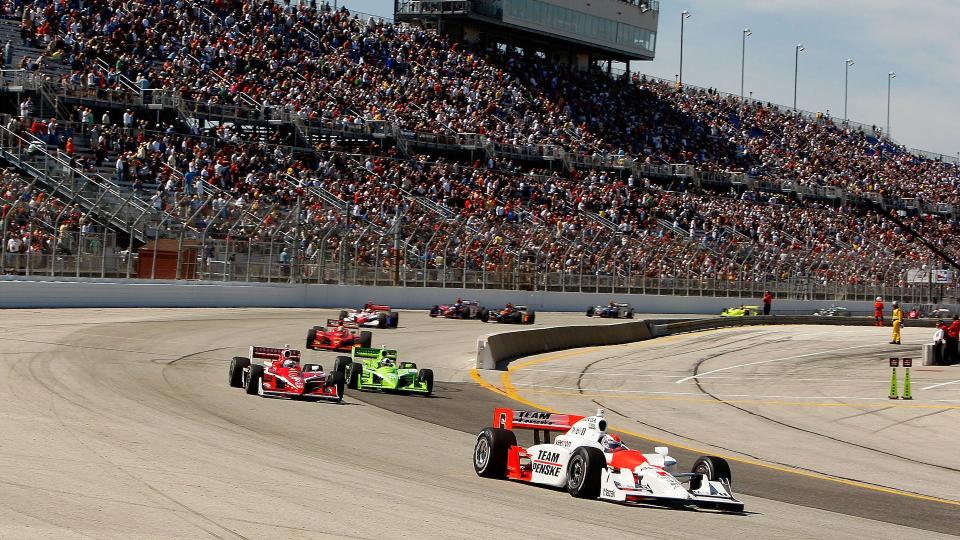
point(119, 423)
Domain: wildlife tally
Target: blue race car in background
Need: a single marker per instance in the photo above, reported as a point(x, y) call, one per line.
point(612, 310)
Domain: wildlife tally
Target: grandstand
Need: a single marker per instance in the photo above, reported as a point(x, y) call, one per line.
point(312, 144)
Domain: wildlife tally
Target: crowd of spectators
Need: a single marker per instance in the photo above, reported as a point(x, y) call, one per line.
point(324, 64)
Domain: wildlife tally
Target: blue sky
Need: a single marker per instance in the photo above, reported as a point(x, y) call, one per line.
point(917, 39)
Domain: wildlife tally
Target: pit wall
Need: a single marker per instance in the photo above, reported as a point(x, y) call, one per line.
point(43, 292)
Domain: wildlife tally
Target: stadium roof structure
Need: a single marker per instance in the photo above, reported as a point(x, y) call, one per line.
point(575, 32)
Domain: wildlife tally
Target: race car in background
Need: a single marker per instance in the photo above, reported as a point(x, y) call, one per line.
point(371, 316)
point(593, 464)
point(612, 310)
point(512, 315)
point(461, 309)
point(741, 311)
point(281, 375)
point(379, 369)
point(337, 335)
point(833, 311)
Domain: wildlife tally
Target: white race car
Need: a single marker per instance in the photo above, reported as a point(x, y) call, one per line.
point(371, 316)
point(593, 464)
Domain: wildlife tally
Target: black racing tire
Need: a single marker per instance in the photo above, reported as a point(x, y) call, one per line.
point(531, 316)
point(236, 370)
point(434, 311)
point(630, 313)
point(311, 337)
point(516, 317)
point(381, 320)
point(253, 382)
point(342, 365)
point(366, 338)
point(583, 472)
point(590, 311)
point(491, 450)
point(426, 375)
point(483, 314)
point(343, 314)
point(337, 379)
point(714, 468)
point(393, 319)
point(353, 381)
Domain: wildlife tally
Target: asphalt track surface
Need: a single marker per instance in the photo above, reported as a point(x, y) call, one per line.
point(120, 424)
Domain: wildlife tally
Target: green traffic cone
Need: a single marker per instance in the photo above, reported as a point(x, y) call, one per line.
point(893, 384)
point(906, 384)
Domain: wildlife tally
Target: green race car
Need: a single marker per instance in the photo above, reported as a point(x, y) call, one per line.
point(378, 369)
point(742, 311)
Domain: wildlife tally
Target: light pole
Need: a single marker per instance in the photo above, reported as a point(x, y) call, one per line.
point(743, 58)
point(684, 15)
point(846, 84)
point(890, 77)
point(796, 71)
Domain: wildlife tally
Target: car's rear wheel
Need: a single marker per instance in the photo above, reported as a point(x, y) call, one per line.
point(356, 369)
point(393, 319)
point(426, 376)
point(311, 337)
point(583, 472)
point(491, 450)
point(531, 316)
point(483, 314)
point(342, 365)
point(630, 313)
point(590, 312)
point(366, 338)
point(336, 379)
point(253, 380)
point(381, 320)
point(236, 370)
point(343, 314)
point(714, 468)
point(516, 317)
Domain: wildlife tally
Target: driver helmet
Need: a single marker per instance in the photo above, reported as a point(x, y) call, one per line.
point(386, 362)
point(611, 443)
point(879, 299)
point(509, 305)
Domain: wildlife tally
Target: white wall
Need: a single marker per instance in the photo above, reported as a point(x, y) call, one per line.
point(22, 292)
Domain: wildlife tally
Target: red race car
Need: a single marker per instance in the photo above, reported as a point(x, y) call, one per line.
point(338, 335)
point(281, 375)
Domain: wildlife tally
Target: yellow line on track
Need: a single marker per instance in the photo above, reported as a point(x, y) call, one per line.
point(510, 391)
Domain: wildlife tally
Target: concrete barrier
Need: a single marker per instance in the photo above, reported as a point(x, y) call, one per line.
point(495, 350)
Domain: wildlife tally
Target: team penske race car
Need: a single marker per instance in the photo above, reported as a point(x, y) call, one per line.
point(371, 316)
point(593, 464)
point(512, 315)
point(612, 310)
point(337, 336)
point(281, 375)
point(379, 369)
point(461, 309)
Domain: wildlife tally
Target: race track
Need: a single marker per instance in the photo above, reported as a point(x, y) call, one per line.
point(120, 424)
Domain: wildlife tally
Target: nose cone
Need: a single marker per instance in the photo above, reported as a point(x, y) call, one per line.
point(663, 484)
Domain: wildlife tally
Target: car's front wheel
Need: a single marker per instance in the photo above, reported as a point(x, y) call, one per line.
point(714, 468)
point(253, 379)
point(583, 472)
point(426, 376)
point(236, 371)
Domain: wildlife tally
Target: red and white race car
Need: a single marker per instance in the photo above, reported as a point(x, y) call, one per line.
point(338, 335)
point(591, 463)
point(281, 375)
point(371, 316)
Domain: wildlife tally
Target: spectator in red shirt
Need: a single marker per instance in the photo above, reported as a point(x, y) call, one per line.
point(878, 312)
point(767, 300)
point(952, 338)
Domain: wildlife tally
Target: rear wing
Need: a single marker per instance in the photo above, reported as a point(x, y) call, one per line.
point(378, 307)
point(272, 353)
point(535, 420)
point(371, 352)
point(338, 322)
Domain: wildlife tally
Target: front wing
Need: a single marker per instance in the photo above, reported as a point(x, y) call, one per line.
point(702, 493)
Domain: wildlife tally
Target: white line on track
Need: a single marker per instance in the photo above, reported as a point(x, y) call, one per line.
point(745, 378)
point(697, 376)
point(722, 396)
point(941, 384)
